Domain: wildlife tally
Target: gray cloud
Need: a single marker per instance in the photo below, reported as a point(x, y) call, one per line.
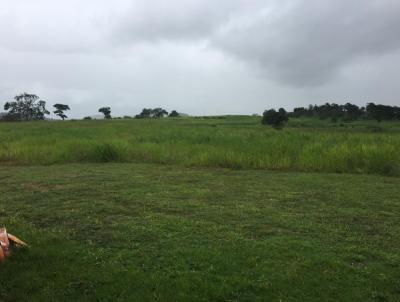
point(202, 57)
point(299, 42)
point(154, 20)
point(309, 42)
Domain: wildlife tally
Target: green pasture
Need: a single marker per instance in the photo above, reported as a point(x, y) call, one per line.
point(146, 232)
point(306, 145)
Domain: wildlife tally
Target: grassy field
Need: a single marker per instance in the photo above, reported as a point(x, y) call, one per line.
point(230, 142)
point(147, 232)
point(201, 209)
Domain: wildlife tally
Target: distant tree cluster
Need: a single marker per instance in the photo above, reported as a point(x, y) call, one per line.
point(348, 112)
point(29, 107)
point(156, 113)
point(382, 112)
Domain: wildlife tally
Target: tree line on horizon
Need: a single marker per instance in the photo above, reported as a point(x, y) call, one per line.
point(334, 112)
point(27, 107)
point(348, 112)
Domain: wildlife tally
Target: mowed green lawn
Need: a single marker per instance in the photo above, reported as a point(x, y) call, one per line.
point(147, 232)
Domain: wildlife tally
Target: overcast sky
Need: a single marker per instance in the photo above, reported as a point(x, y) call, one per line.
point(200, 56)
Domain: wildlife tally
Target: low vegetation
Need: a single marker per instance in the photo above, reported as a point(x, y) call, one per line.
point(144, 232)
point(234, 142)
point(275, 118)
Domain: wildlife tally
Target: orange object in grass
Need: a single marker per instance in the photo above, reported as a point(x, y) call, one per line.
point(4, 244)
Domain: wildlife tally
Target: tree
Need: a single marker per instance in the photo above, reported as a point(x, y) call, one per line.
point(299, 111)
point(276, 119)
point(381, 112)
point(174, 113)
point(60, 108)
point(352, 112)
point(159, 112)
point(146, 113)
point(27, 106)
point(106, 111)
point(349, 112)
point(152, 113)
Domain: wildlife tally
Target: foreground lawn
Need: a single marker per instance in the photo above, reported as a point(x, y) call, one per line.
point(144, 232)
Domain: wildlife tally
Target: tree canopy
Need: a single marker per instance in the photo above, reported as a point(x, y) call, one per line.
point(152, 113)
point(348, 112)
point(276, 119)
point(106, 111)
point(174, 113)
point(382, 112)
point(27, 107)
point(60, 108)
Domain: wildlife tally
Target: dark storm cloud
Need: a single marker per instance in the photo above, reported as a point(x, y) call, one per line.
point(298, 42)
point(310, 41)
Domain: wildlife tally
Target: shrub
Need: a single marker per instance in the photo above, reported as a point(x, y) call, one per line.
point(174, 113)
point(276, 119)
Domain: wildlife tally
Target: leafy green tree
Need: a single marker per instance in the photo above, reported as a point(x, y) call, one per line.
point(348, 112)
point(276, 119)
point(174, 113)
point(381, 112)
point(27, 106)
point(159, 112)
point(60, 108)
point(146, 113)
point(352, 112)
point(106, 111)
point(152, 113)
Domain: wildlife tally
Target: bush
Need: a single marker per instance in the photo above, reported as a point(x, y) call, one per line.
point(276, 119)
point(174, 113)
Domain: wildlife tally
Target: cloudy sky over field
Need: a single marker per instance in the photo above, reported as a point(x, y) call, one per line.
point(200, 56)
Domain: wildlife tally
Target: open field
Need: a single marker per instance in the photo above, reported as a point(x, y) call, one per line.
point(201, 209)
point(230, 142)
point(146, 232)
point(200, 151)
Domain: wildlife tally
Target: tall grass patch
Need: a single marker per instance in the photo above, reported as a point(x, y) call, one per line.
point(233, 143)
